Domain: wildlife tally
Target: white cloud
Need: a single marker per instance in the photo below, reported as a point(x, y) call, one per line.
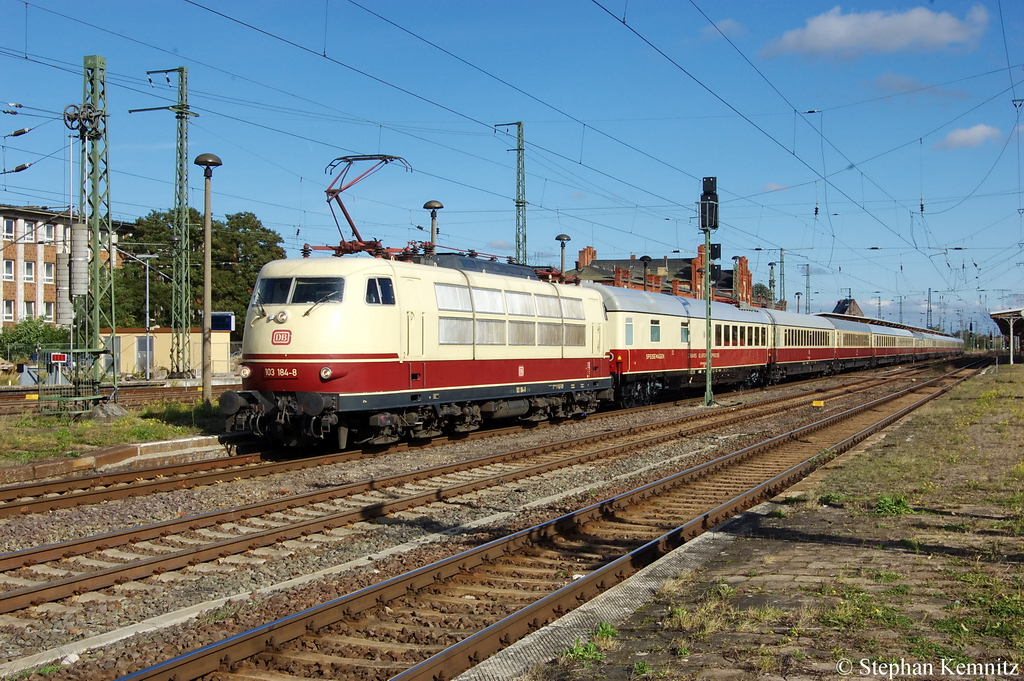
point(968, 137)
point(728, 27)
point(500, 246)
point(772, 187)
point(895, 83)
point(852, 35)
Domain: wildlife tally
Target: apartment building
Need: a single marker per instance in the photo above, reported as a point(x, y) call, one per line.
point(31, 238)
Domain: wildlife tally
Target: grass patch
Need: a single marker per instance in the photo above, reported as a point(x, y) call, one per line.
point(888, 506)
point(40, 437)
point(584, 654)
point(45, 670)
point(860, 610)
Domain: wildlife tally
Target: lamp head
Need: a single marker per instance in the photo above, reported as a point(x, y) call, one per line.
point(207, 160)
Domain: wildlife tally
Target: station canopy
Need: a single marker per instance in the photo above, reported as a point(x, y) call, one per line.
point(1008, 320)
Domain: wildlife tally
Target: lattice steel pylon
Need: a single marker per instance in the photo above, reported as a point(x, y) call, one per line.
point(181, 296)
point(94, 310)
point(521, 256)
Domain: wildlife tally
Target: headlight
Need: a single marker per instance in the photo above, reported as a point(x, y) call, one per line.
point(244, 371)
point(326, 373)
point(281, 317)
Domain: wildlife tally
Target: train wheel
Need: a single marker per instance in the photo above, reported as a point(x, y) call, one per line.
point(637, 393)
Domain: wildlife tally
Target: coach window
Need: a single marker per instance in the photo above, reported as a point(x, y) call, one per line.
point(743, 335)
point(655, 330)
point(629, 330)
point(684, 332)
point(735, 335)
point(380, 291)
point(718, 334)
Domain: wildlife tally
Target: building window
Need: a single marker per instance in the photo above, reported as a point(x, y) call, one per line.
point(8, 311)
point(30, 309)
point(8, 270)
point(47, 234)
point(48, 310)
point(49, 272)
point(30, 272)
point(9, 230)
point(30, 231)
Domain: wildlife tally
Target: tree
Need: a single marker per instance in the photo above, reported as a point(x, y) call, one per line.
point(20, 341)
point(239, 249)
point(762, 291)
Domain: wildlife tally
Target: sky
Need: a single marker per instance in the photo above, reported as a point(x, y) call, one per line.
point(876, 143)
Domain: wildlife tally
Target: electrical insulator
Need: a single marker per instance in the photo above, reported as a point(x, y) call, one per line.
point(306, 251)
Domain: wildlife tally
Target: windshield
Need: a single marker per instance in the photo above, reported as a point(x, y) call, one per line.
point(298, 291)
point(272, 291)
point(318, 290)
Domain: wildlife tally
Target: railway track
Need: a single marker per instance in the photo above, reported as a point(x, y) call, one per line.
point(57, 571)
point(441, 619)
point(45, 496)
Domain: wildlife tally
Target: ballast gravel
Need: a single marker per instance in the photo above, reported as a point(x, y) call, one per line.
point(49, 627)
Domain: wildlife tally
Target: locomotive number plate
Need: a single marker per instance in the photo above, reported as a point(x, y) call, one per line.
point(280, 372)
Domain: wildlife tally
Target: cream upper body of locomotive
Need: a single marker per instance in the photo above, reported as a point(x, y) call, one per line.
point(367, 308)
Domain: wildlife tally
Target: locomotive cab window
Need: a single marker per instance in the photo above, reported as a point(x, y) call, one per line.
point(318, 290)
point(380, 291)
point(272, 291)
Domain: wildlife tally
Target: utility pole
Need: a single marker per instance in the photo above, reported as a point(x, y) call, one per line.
point(928, 319)
point(181, 296)
point(807, 294)
point(94, 309)
point(782, 275)
point(521, 256)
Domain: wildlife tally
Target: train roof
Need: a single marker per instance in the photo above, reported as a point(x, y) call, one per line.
point(886, 323)
point(807, 321)
point(460, 261)
point(631, 300)
point(865, 325)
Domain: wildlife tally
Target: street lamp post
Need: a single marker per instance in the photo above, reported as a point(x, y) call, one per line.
point(797, 294)
point(708, 212)
point(645, 259)
point(433, 207)
point(208, 162)
point(563, 238)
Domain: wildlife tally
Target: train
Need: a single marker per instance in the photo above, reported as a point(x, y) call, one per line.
point(357, 350)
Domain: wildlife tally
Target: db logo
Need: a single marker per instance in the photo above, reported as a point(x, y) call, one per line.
point(281, 337)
